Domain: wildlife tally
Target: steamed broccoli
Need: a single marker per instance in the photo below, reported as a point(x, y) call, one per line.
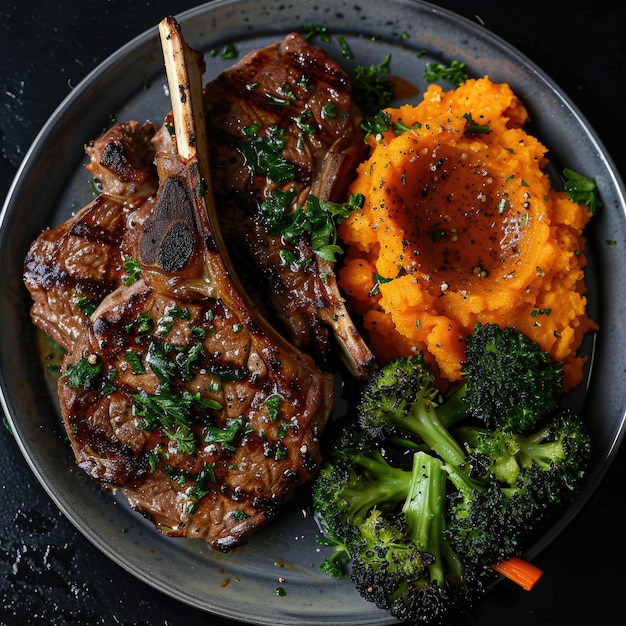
point(510, 383)
point(389, 521)
point(400, 400)
point(422, 493)
point(518, 481)
point(560, 441)
point(354, 479)
point(405, 563)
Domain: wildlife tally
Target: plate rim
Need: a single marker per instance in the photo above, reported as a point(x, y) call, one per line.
point(143, 40)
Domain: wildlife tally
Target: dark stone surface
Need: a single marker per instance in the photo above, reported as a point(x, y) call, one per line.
point(49, 573)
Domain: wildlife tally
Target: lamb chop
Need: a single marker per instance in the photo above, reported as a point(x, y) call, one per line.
point(177, 390)
point(288, 104)
point(71, 267)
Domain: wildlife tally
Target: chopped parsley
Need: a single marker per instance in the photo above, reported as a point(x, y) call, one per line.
point(264, 155)
point(454, 73)
point(132, 358)
point(166, 322)
point(376, 124)
point(82, 374)
point(201, 487)
point(473, 128)
point(173, 413)
point(315, 220)
point(329, 111)
point(133, 272)
point(240, 515)
point(346, 51)
point(582, 190)
point(227, 435)
point(85, 306)
point(310, 31)
point(272, 404)
point(372, 87)
point(227, 51)
point(318, 221)
point(378, 281)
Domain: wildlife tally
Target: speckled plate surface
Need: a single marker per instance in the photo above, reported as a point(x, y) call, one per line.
point(130, 85)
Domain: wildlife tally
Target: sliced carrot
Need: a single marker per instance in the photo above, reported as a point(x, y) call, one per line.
point(525, 574)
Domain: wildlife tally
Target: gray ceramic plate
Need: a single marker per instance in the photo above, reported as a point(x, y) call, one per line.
point(130, 85)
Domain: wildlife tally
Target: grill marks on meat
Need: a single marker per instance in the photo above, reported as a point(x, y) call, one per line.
point(295, 87)
point(246, 477)
point(177, 391)
point(122, 160)
point(80, 261)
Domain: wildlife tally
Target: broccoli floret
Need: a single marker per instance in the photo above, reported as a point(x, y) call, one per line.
point(400, 400)
point(405, 563)
point(354, 479)
point(559, 445)
point(468, 485)
point(523, 480)
point(389, 520)
point(479, 526)
point(510, 382)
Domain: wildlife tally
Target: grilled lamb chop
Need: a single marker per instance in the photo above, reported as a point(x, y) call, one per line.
point(71, 267)
point(177, 391)
point(290, 102)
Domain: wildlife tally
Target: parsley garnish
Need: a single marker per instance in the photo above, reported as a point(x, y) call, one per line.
point(163, 410)
point(200, 487)
point(228, 374)
point(240, 514)
point(228, 51)
point(315, 220)
point(378, 281)
point(275, 211)
point(226, 435)
point(174, 413)
point(86, 306)
point(302, 122)
point(376, 124)
point(158, 358)
point(346, 51)
point(472, 128)
point(280, 452)
point(400, 127)
point(166, 322)
point(454, 73)
point(310, 31)
point(329, 111)
point(81, 375)
point(265, 157)
point(273, 407)
point(318, 221)
point(372, 88)
point(582, 190)
point(133, 271)
point(132, 358)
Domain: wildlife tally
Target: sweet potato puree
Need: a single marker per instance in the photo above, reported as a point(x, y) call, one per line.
point(460, 225)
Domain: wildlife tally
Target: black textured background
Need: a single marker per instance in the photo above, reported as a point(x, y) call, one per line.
point(49, 573)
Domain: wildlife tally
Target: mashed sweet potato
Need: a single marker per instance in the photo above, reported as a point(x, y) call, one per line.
point(460, 225)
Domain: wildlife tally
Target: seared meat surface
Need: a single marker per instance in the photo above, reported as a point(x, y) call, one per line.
point(176, 390)
point(71, 267)
point(292, 95)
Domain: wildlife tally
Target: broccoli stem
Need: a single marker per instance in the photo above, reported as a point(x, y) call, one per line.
point(424, 510)
point(427, 426)
point(453, 408)
point(535, 449)
point(388, 485)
